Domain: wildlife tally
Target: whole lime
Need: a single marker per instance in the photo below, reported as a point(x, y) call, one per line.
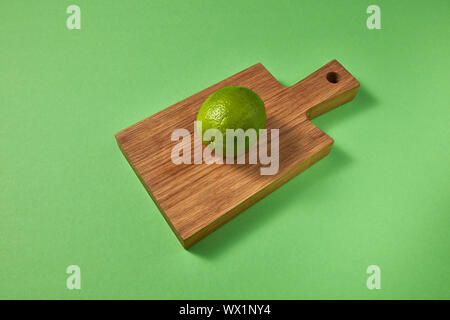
point(231, 108)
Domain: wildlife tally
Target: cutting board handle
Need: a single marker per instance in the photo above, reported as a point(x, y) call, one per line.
point(325, 89)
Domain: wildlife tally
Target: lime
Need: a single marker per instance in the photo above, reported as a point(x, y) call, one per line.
point(232, 108)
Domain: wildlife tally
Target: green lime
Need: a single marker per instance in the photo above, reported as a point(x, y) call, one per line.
point(232, 108)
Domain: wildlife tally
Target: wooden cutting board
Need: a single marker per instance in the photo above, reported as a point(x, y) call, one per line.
point(196, 199)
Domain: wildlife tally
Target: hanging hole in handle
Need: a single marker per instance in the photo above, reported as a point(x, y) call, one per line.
point(332, 77)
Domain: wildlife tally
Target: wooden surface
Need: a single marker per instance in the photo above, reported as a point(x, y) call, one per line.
point(197, 199)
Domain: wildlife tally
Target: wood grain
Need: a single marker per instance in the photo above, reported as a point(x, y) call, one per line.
point(197, 199)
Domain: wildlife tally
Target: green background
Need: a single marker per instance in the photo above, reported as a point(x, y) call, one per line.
point(68, 196)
